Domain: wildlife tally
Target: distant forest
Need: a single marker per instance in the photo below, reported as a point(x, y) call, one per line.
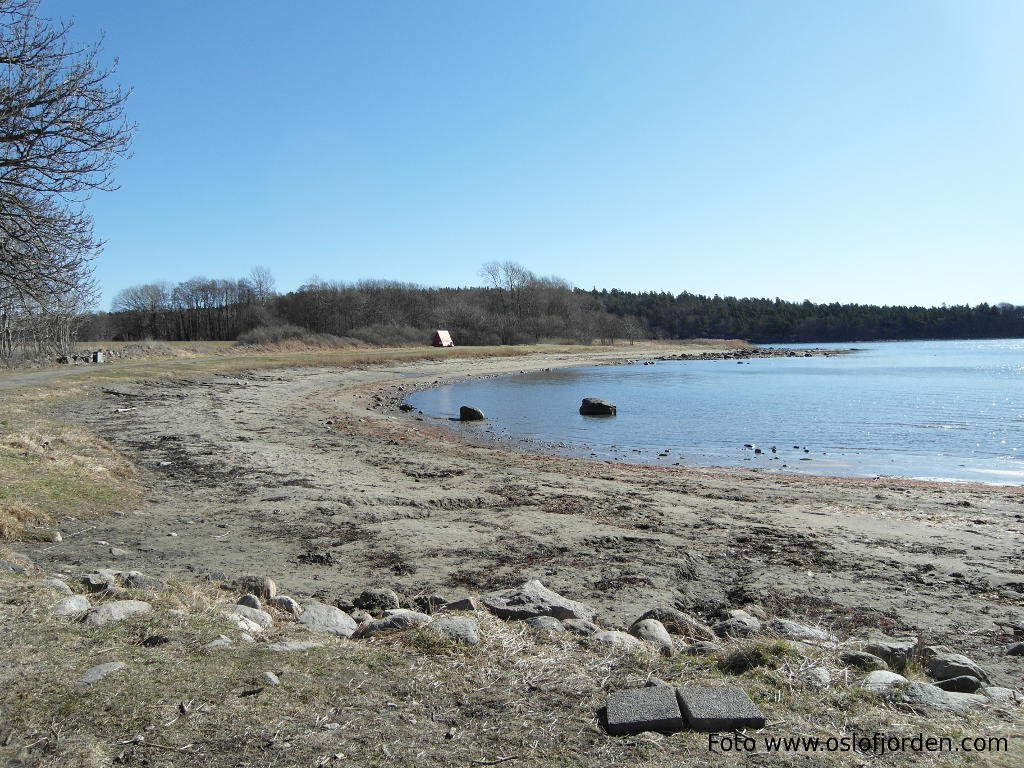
point(514, 306)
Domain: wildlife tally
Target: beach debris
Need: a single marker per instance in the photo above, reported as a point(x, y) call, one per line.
point(595, 406)
point(534, 599)
point(718, 709)
point(633, 710)
point(470, 413)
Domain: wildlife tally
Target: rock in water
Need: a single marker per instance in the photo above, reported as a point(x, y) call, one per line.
point(534, 599)
point(595, 406)
point(469, 413)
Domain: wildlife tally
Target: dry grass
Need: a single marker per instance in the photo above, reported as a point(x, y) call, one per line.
point(412, 699)
point(53, 473)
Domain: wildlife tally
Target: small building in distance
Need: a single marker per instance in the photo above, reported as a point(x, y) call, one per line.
point(443, 339)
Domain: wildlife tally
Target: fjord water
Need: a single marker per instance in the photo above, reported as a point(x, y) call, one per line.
point(950, 410)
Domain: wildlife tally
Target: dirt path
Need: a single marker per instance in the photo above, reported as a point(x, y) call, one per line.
point(303, 475)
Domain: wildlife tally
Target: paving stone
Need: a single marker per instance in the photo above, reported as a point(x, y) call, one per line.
point(644, 709)
point(719, 709)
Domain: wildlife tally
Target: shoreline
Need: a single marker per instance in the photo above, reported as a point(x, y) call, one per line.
point(305, 473)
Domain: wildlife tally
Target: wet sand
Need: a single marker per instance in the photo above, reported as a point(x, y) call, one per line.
point(314, 476)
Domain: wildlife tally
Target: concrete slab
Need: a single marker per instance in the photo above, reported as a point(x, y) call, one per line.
point(718, 709)
point(644, 709)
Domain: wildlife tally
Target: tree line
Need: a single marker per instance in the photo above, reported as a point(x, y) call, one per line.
point(513, 306)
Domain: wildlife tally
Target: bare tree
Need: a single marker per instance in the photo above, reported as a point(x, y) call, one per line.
point(262, 283)
point(62, 127)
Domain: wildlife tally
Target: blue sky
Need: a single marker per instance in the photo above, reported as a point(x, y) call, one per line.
point(868, 151)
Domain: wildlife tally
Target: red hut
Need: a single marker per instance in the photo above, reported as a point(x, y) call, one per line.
point(443, 339)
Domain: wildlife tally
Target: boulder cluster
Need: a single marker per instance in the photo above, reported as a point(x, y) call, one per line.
point(881, 664)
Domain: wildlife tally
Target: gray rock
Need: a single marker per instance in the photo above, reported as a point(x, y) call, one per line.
point(702, 648)
point(1015, 649)
point(943, 664)
point(291, 646)
point(546, 624)
point(921, 697)
point(997, 693)
point(653, 632)
point(271, 679)
point(719, 709)
point(581, 627)
point(100, 581)
point(73, 605)
point(862, 660)
point(221, 641)
point(595, 406)
point(430, 603)
point(263, 619)
point(818, 677)
point(457, 628)
point(654, 708)
point(962, 684)
point(534, 599)
point(8, 565)
point(94, 674)
point(756, 611)
point(245, 637)
point(119, 610)
point(621, 641)
point(679, 623)
point(285, 604)
point(251, 601)
point(791, 630)
point(895, 651)
point(326, 618)
point(243, 623)
point(882, 680)
point(470, 413)
point(738, 626)
point(261, 586)
point(376, 601)
point(139, 580)
point(54, 583)
point(396, 620)
point(464, 604)
point(360, 616)
point(118, 552)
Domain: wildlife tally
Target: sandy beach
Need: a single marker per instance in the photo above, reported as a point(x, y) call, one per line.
point(315, 476)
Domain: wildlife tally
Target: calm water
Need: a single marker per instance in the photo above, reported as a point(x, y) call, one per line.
point(929, 409)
